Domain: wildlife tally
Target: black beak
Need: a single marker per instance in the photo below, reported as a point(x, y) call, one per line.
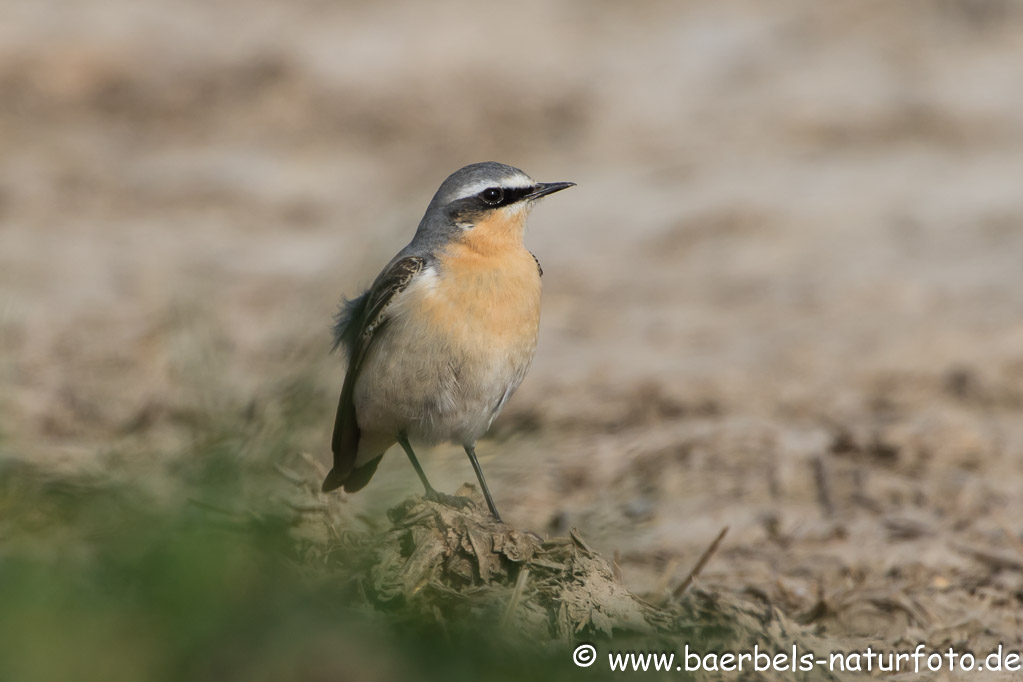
point(542, 189)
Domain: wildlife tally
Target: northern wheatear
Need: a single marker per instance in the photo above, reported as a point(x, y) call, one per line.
point(447, 331)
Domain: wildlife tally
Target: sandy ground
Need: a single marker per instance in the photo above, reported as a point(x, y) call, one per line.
point(786, 295)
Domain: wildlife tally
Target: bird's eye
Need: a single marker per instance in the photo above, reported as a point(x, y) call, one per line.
point(492, 195)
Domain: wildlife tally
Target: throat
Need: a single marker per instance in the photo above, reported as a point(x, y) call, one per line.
point(497, 235)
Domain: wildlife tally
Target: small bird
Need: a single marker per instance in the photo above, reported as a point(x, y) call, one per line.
point(447, 331)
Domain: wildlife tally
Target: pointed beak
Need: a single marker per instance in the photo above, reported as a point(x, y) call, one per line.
point(542, 189)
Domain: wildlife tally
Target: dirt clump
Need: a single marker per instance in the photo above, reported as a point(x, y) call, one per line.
point(441, 566)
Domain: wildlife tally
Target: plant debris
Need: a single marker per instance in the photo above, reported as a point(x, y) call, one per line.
point(458, 568)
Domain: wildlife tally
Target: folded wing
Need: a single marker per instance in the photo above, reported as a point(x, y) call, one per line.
point(358, 322)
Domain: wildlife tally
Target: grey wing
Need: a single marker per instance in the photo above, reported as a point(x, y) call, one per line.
point(357, 322)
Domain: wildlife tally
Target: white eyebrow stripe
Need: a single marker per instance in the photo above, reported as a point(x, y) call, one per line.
point(515, 182)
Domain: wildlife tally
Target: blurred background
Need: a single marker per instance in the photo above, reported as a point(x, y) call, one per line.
point(786, 295)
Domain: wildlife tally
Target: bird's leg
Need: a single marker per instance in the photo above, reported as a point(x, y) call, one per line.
point(431, 493)
point(471, 451)
point(407, 447)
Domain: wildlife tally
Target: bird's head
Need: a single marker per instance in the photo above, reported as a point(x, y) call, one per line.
point(485, 202)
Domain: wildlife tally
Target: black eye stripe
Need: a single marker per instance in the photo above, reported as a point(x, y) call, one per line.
point(513, 194)
point(476, 203)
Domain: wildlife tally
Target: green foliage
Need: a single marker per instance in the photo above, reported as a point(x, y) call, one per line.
point(103, 579)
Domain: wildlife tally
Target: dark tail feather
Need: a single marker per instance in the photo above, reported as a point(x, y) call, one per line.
point(360, 476)
point(346, 447)
point(333, 481)
point(345, 441)
point(356, 479)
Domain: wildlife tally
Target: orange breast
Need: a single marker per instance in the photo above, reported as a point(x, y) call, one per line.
point(489, 285)
point(495, 296)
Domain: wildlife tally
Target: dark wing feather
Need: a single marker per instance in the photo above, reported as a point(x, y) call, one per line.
point(357, 322)
point(538, 267)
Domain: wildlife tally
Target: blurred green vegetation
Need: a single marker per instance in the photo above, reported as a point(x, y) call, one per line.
point(113, 574)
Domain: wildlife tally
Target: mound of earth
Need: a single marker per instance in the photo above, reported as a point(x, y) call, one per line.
point(438, 566)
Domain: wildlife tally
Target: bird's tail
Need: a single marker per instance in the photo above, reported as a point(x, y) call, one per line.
point(345, 441)
point(333, 481)
point(355, 479)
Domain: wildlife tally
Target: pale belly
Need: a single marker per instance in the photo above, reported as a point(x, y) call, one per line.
point(449, 358)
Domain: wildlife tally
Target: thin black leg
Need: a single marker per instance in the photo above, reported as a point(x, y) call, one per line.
point(403, 442)
point(471, 451)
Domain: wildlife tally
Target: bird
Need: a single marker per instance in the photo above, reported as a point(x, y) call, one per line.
point(447, 331)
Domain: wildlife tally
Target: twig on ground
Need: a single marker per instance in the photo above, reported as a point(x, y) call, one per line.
point(513, 603)
point(314, 463)
point(578, 540)
point(820, 478)
point(616, 567)
point(684, 585)
point(290, 476)
point(993, 559)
